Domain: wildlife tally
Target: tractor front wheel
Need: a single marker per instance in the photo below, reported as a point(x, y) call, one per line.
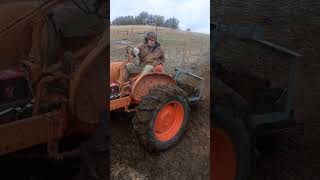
point(162, 117)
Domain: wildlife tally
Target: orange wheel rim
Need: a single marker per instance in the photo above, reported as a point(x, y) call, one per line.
point(168, 121)
point(223, 156)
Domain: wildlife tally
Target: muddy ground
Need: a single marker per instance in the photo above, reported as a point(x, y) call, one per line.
point(292, 152)
point(189, 159)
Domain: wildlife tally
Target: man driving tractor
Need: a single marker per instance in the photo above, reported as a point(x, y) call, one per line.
point(150, 56)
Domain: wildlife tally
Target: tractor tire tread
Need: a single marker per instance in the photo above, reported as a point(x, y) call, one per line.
point(145, 113)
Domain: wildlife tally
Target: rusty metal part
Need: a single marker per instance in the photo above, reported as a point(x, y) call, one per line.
point(85, 102)
point(146, 82)
point(120, 103)
point(21, 134)
point(41, 89)
point(29, 25)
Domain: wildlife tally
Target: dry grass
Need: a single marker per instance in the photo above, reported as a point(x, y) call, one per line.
point(191, 49)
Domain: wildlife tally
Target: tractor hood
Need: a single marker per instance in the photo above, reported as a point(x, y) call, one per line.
point(115, 71)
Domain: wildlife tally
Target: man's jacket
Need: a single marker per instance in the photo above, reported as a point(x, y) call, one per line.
point(152, 57)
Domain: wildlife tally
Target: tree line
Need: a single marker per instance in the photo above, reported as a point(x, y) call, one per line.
point(145, 18)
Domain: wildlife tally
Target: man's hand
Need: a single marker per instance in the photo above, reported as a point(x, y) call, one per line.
point(158, 68)
point(136, 51)
point(133, 57)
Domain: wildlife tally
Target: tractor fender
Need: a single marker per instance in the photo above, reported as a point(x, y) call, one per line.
point(146, 82)
point(88, 91)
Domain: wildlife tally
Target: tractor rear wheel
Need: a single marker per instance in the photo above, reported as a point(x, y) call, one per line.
point(231, 148)
point(162, 117)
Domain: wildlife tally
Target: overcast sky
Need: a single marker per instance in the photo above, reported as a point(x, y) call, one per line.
point(193, 14)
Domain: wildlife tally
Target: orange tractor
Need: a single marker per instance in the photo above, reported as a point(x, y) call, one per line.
point(160, 101)
point(47, 62)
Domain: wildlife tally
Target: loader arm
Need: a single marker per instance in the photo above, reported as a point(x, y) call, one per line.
point(87, 103)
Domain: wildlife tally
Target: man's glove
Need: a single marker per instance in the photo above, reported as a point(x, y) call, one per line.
point(136, 51)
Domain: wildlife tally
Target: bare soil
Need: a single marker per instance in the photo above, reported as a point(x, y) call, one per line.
point(189, 159)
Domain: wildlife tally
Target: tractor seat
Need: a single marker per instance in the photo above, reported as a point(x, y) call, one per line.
point(134, 76)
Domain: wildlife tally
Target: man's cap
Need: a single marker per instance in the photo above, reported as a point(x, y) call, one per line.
point(151, 36)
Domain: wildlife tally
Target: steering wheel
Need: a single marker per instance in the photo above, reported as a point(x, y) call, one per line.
point(130, 56)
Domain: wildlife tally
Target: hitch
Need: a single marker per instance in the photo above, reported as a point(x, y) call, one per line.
point(180, 72)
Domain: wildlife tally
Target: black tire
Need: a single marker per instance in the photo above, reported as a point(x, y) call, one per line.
point(230, 123)
point(144, 119)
